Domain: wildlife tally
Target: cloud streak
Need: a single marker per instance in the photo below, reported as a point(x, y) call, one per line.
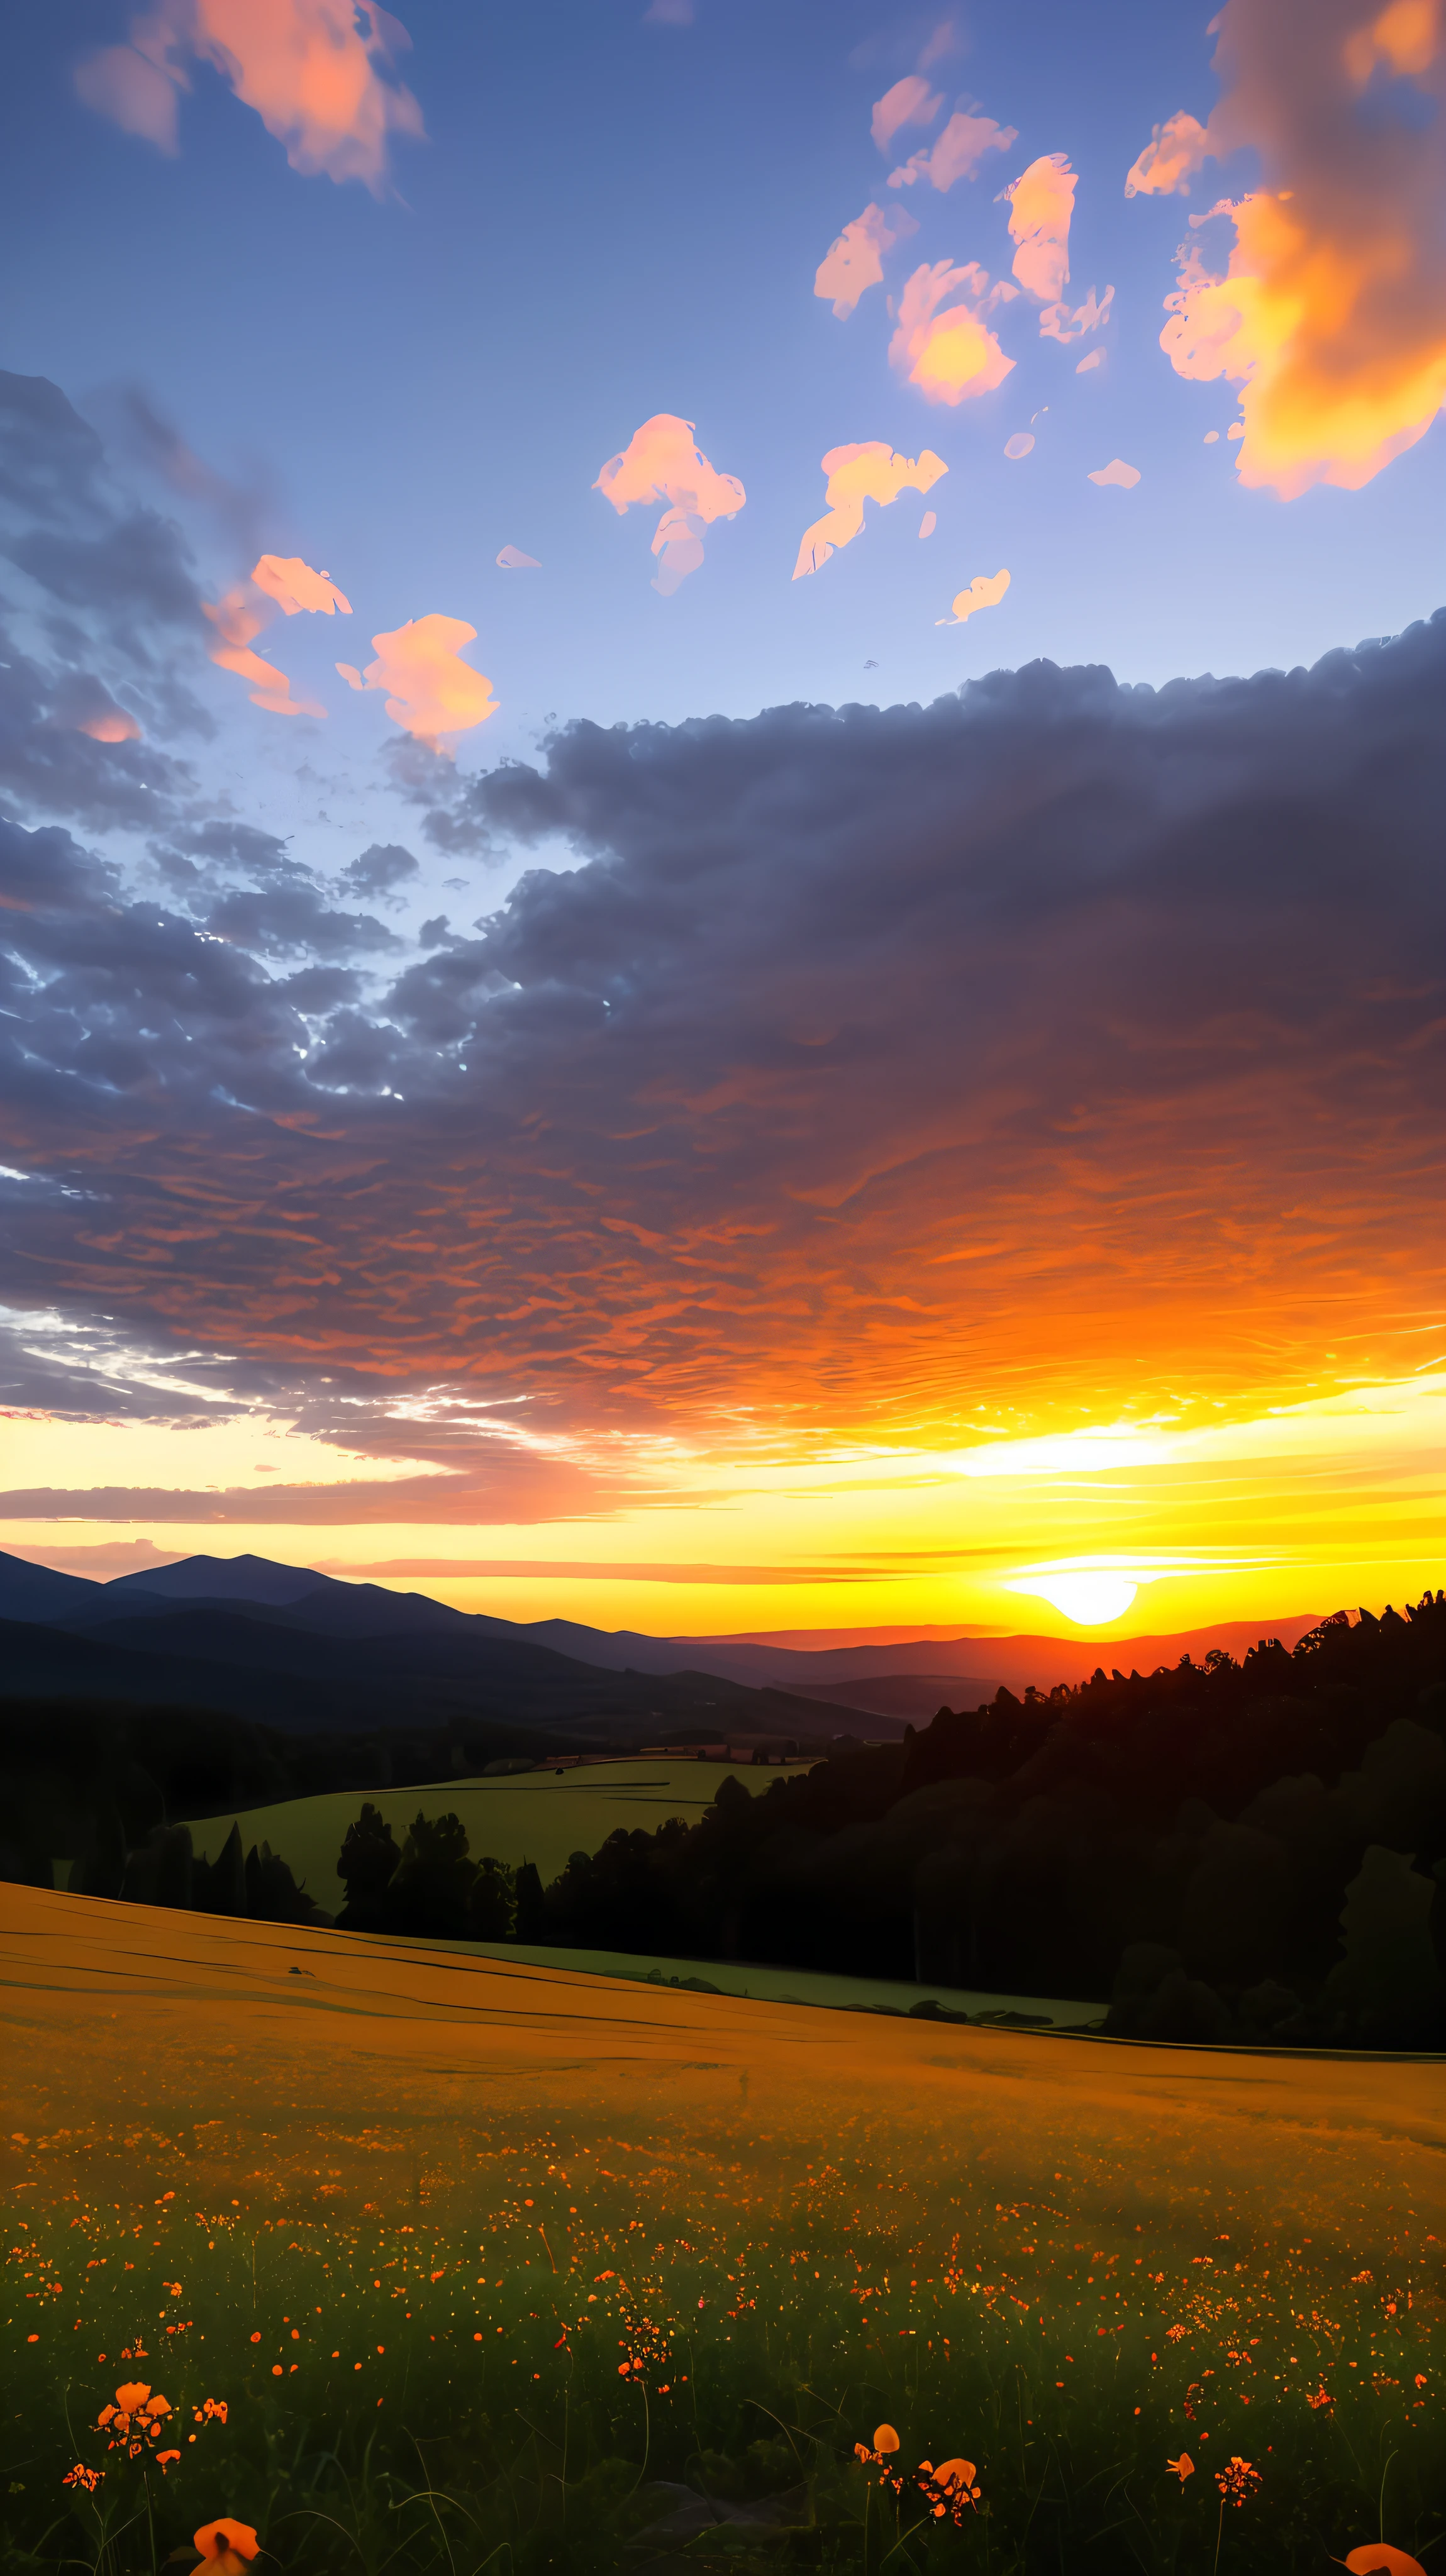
point(909, 102)
point(663, 463)
point(957, 153)
point(430, 691)
point(854, 262)
point(985, 591)
point(1041, 205)
point(870, 472)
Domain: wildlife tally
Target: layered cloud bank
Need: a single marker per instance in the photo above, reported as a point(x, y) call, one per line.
point(1056, 1036)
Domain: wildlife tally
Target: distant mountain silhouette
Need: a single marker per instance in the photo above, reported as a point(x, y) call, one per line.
point(341, 1657)
point(306, 1651)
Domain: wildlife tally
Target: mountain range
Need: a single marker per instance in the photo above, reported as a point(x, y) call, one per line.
point(308, 1653)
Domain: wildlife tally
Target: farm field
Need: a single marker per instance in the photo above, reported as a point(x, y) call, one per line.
point(530, 1815)
point(488, 2263)
point(745, 1978)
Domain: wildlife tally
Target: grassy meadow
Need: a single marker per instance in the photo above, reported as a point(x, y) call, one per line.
point(541, 1816)
point(492, 2265)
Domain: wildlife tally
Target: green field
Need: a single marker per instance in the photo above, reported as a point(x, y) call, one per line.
point(541, 1816)
point(496, 2267)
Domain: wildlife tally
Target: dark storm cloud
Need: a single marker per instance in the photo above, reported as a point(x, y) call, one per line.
point(292, 918)
point(50, 765)
point(869, 1058)
point(380, 869)
point(102, 631)
point(50, 459)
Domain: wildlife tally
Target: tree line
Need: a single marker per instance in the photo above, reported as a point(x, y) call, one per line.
point(1220, 1851)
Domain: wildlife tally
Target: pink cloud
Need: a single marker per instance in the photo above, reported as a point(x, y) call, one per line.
point(662, 462)
point(909, 102)
point(957, 153)
point(137, 85)
point(1021, 444)
point(985, 591)
point(1096, 358)
point(237, 619)
point(943, 42)
point(668, 13)
point(311, 69)
point(949, 355)
point(928, 523)
point(294, 587)
point(1041, 202)
point(432, 692)
point(512, 559)
point(870, 472)
point(1117, 472)
point(855, 261)
point(1170, 159)
point(1058, 323)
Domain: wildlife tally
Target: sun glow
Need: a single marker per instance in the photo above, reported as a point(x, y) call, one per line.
point(1093, 1597)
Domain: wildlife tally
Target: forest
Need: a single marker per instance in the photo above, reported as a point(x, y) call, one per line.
point(1222, 1852)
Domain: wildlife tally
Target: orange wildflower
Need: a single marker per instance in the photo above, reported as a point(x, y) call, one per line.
point(1378, 2558)
point(1183, 2468)
point(226, 2548)
point(949, 2488)
point(885, 2438)
point(1237, 2480)
point(81, 2476)
point(137, 2418)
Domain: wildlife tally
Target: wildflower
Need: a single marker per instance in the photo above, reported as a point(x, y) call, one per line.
point(1237, 2480)
point(81, 2476)
point(137, 2418)
point(1183, 2468)
point(949, 2488)
point(212, 2410)
point(885, 2438)
point(1378, 2558)
point(226, 2548)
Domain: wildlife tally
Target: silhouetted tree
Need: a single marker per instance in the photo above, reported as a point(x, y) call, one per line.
point(366, 1867)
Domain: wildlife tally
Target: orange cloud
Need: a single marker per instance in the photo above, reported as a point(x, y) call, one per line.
point(855, 261)
point(1116, 472)
point(1041, 202)
point(949, 355)
point(433, 693)
point(984, 591)
point(957, 153)
point(109, 724)
point(237, 619)
point(1331, 311)
point(909, 102)
point(1170, 159)
point(309, 68)
point(294, 586)
point(870, 472)
point(1058, 323)
point(662, 462)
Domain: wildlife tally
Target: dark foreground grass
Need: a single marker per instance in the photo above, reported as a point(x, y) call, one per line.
point(610, 2308)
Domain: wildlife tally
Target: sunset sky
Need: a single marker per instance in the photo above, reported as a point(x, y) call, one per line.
point(721, 768)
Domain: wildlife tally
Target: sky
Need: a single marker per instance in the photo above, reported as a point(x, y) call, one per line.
point(720, 761)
